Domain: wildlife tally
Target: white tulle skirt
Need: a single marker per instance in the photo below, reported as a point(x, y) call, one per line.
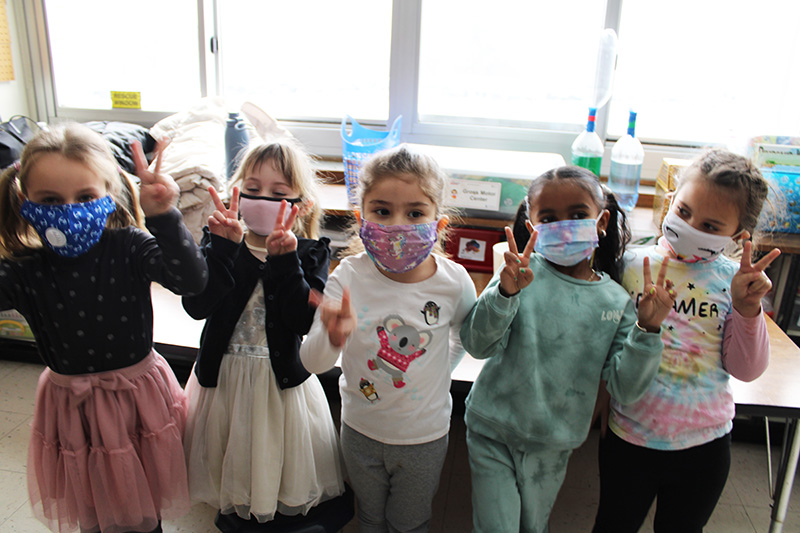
point(254, 449)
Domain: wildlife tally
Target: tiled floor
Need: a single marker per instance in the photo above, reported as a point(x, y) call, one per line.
point(744, 506)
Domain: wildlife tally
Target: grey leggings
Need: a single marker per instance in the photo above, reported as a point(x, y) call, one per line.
point(394, 484)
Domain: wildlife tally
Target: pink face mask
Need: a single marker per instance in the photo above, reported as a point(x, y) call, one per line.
point(260, 212)
point(398, 249)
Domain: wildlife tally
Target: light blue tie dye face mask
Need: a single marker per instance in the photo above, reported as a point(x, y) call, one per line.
point(567, 242)
point(69, 230)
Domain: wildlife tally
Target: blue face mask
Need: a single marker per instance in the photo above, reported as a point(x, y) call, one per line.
point(567, 242)
point(69, 229)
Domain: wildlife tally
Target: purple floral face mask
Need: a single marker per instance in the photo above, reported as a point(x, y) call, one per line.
point(398, 249)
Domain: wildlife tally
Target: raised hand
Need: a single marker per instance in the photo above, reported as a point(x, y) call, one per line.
point(338, 317)
point(282, 240)
point(750, 283)
point(657, 298)
point(224, 222)
point(516, 274)
point(157, 192)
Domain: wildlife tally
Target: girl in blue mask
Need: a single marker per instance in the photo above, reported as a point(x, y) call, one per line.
point(261, 444)
point(551, 325)
point(398, 341)
point(106, 451)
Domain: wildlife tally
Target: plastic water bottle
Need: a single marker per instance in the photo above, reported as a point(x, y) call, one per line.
point(626, 167)
point(236, 141)
point(587, 150)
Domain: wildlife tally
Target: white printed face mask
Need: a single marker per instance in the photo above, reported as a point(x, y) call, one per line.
point(260, 212)
point(689, 244)
point(567, 242)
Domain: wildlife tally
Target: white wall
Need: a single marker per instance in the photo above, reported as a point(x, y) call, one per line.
point(14, 94)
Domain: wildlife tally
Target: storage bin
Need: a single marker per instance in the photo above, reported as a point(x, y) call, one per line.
point(359, 145)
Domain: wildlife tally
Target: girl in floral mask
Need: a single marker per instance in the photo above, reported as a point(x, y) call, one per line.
point(105, 452)
point(673, 444)
point(260, 440)
point(551, 325)
point(398, 341)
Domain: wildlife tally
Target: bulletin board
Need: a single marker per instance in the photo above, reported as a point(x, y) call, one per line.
point(6, 63)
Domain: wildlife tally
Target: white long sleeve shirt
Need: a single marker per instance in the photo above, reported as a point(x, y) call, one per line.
point(396, 366)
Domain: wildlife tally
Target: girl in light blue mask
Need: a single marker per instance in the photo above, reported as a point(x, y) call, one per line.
point(551, 325)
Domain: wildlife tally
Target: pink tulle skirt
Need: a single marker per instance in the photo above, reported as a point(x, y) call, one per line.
point(106, 449)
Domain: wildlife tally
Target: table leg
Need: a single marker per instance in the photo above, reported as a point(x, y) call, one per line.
point(786, 471)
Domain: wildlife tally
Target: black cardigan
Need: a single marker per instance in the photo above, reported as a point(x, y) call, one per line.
point(233, 275)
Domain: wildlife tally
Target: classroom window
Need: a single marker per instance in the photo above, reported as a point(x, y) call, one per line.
point(517, 64)
point(148, 47)
point(308, 60)
point(710, 71)
point(512, 74)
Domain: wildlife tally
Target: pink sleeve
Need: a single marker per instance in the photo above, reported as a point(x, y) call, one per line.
point(745, 346)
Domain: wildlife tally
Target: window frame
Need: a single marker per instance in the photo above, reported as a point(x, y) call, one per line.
point(322, 137)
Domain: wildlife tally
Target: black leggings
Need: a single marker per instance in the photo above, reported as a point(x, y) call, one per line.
point(687, 483)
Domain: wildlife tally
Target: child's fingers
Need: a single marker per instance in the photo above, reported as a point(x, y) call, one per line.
point(767, 260)
point(745, 264)
point(216, 199)
point(526, 253)
point(512, 244)
point(159, 151)
point(648, 279)
point(314, 298)
point(292, 216)
point(281, 214)
point(346, 310)
point(662, 272)
point(235, 200)
point(139, 160)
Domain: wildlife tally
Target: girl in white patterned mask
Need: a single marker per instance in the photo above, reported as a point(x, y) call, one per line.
point(673, 444)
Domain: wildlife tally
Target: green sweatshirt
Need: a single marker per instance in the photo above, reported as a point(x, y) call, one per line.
point(548, 347)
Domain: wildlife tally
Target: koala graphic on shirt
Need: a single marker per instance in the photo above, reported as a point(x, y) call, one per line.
point(400, 345)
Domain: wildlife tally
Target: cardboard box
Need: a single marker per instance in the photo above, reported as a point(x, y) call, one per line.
point(489, 183)
point(666, 182)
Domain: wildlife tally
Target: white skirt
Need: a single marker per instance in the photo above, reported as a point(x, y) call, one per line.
point(254, 449)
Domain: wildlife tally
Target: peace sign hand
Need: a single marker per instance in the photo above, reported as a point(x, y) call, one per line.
point(224, 222)
point(516, 274)
point(157, 192)
point(750, 283)
point(657, 298)
point(338, 317)
point(282, 240)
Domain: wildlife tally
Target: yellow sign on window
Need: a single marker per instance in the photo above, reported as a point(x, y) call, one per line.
point(126, 100)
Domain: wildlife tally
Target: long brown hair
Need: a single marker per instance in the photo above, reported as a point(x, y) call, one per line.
point(78, 143)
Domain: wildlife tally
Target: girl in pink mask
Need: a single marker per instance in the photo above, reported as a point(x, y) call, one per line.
point(551, 325)
point(260, 440)
point(398, 340)
point(673, 444)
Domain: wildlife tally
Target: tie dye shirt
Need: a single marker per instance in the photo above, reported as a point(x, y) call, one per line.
point(690, 401)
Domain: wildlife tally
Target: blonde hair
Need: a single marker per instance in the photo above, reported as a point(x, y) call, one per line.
point(402, 161)
point(294, 164)
point(77, 143)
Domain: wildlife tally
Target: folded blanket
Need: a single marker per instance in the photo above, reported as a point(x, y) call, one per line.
point(195, 157)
